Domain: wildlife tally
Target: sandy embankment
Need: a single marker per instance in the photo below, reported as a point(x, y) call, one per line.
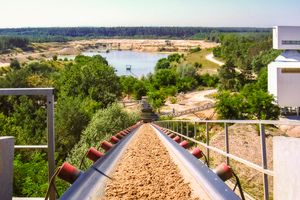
point(77, 47)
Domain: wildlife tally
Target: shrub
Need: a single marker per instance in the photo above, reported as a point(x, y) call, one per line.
point(104, 124)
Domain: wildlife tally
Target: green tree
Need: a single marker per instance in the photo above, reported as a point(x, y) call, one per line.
point(226, 75)
point(186, 70)
point(54, 57)
point(162, 63)
point(105, 123)
point(15, 64)
point(95, 80)
point(165, 77)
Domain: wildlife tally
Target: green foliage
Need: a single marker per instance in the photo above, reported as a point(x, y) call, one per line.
point(75, 33)
point(164, 77)
point(54, 57)
point(251, 102)
point(31, 178)
point(71, 118)
point(156, 97)
point(162, 63)
point(186, 84)
point(15, 64)
point(264, 58)
point(139, 90)
point(94, 79)
point(104, 124)
point(196, 50)
point(186, 70)
point(231, 106)
point(127, 83)
point(197, 65)
point(227, 76)
point(9, 42)
point(208, 80)
point(174, 57)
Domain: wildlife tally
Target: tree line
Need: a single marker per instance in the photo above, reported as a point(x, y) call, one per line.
point(56, 34)
point(11, 42)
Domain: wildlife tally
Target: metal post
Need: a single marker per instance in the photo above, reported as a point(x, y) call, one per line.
point(181, 129)
point(264, 160)
point(6, 167)
point(226, 143)
point(195, 132)
point(51, 142)
point(207, 143)
point(173, 126)
point(187, 129)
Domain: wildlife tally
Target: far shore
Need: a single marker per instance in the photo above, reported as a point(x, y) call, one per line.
point(74, 48)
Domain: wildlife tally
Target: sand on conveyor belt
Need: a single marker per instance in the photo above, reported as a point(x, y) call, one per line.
point(147, 171)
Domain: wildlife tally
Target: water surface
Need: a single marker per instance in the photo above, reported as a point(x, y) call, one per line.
point(141, 62)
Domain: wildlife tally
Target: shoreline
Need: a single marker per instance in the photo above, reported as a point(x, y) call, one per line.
point(74, 48)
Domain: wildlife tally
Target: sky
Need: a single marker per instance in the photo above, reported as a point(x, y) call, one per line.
point(110, 13)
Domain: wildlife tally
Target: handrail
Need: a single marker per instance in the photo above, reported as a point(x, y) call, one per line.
point(49, 92)
point(170, 125)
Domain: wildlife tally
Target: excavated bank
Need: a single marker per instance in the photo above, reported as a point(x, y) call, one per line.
point(147, 171)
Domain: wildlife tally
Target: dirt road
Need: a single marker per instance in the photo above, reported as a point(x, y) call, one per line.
point(211, 58)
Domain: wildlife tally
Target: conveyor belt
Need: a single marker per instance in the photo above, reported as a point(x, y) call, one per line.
point(91, 185)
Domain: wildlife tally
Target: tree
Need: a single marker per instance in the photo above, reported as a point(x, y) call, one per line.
point(54, 57)
point(165, 77)
point(162, 63)
point(94, 79)
point(186, 70)
point(226, 75)
point(15, 64)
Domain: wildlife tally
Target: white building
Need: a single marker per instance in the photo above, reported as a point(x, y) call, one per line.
point(284, 73)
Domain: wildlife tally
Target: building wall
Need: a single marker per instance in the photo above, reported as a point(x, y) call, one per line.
point(272, 79)
point(286, 86)
point(286, 33)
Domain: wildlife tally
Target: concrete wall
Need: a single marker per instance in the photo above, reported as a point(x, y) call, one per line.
point(285, 86)
point(286, 160)
point(288, 33)
point(272, 79)
point(6, 167)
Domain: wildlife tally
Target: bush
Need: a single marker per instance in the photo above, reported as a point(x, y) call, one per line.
point(104, 124)
point(198, 65)
point(196, 50)
point(186, 70)
point(15, 64)
point(54, 57)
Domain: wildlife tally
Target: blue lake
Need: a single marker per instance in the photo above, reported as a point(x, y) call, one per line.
point(141, 62)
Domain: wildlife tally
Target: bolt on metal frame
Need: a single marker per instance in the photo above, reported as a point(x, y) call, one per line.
point(49, 92)
point(263, 169)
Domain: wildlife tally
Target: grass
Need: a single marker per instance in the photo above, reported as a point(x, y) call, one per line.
point(200, 58)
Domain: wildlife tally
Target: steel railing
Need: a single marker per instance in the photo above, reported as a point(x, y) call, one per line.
point(49, 92)
point(172, 125)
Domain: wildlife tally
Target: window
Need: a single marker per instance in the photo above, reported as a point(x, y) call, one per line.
point(290, 42)
point(290, 70)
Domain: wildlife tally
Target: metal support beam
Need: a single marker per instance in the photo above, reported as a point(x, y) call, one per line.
point(187, 129)
point(226, 143)
point(207, 143)
point(181, 129)
point(264, 160)
point(51, 142)
point(195, 132)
